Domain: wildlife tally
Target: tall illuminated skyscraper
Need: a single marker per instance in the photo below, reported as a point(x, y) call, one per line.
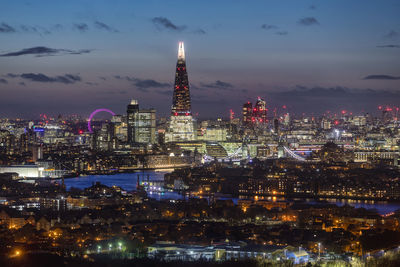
point(181, 105)
point(181, 124)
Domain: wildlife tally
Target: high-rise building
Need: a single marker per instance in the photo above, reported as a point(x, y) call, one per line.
point(141, 124)
point(181, 105)
point(256, 114)
point(247, 112)
point(260, 110)
point(181, 126)
point(131, 110)
point(145, 126)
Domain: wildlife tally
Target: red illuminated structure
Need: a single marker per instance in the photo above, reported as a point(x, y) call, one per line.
point(256, 114)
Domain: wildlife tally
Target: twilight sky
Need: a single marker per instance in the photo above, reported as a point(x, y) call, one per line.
point(72, 57)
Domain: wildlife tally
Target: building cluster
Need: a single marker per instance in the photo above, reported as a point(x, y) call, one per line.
point(102, 220)
point(240, 180)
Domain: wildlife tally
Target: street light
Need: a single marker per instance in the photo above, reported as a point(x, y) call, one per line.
point(119, 245)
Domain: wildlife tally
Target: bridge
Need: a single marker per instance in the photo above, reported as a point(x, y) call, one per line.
point(238, 155)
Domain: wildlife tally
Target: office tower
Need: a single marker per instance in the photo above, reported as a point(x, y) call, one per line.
point(247, 112)
point(145, 126)
point(131, 110)
point(181, 126)
point(256, 114)
point(260, 111)
point(141, 124)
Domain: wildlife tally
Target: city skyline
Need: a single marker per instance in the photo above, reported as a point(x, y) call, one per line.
point(200, 133)
point(316, 57)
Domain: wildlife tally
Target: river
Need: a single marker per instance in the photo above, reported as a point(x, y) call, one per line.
point(128, 182)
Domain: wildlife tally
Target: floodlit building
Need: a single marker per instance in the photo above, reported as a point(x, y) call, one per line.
point(141, 124)
point(181, 126)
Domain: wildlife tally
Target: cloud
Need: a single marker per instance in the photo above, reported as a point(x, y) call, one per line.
point(391, 35)
point(91, 83)
point(3, 81)
point(41, 51)
point(103, 26)
point(218, 85)
point(200, 31)
point(22, 84)
point(308, 21)
point(143, 84)
point(381, 77)
point(40, 77)
point(334, 92)
point(26, 28)
point(34, 29)
point(82, 27)
point(149, 83)
point(312, 7)
point(5, 28)
point(58, 27)
point(163, 23)
point(281, 33)
point(320, 99)
point(388, 46)
point(269, 27)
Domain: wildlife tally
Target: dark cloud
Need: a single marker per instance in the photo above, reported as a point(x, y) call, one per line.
point(91, 83)
point(388, 46)
point(35, 29)
point(312, 7)
point(11, 75)
point(5, 28)
point(308, 21)
point(381, 77)
point(199, 31)
point(163, 23)
point(391, 35)
point(143, 84)
point(58, 27)
point(41, 51)
point(269, 27)
point(103, 26)
point(3, 81)
point(218, 85)
point(22, 84)
point(149, 83)
point(40, 77)
point(103, 78)
point(26, 28)
point(82, 27)
point(281, 33)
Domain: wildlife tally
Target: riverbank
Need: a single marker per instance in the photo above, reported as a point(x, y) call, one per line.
point(128, 182)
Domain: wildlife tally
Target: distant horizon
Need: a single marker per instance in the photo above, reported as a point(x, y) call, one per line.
point(318, 56)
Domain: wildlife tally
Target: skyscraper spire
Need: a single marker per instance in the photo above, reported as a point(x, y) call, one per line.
point(181, 51)
point(181, 105)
